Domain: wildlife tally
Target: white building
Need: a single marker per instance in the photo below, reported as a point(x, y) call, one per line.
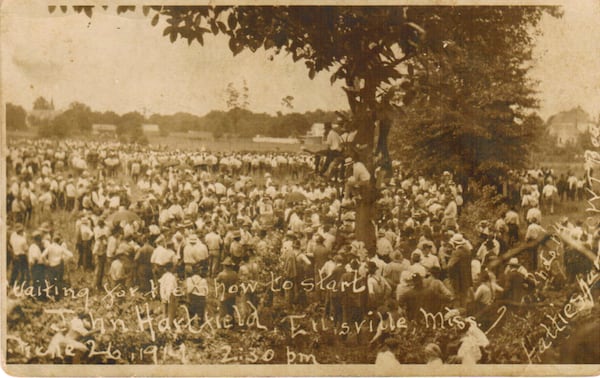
point(568, 125)
point(103, 128)
point(150, 129)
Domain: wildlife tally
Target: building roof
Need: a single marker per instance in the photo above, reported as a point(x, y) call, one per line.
point(103, 127)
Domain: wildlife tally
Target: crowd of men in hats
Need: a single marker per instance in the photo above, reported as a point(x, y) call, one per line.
point(178, 218)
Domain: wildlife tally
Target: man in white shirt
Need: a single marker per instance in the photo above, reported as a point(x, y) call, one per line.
point(572, 186)
point(334, 148)
point(161, 257)
point(55, 255)
point(20, 268)
point(549, 193)
point(329, 236)
point(34, 257)
point(360, 177)
point(384, 246)
point(534, 213)
point(70, 194)
point(195, 253)
point(214, 242)
point(428, 259)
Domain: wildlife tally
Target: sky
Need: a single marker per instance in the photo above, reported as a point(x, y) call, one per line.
point(122, 63)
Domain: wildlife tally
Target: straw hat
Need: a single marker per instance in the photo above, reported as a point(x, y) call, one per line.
point(227, 262)
point(457, 239)
point(513, 261)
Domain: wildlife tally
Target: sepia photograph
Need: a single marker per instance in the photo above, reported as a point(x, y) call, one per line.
point(234, 190)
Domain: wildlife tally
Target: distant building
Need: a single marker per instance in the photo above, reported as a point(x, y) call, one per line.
point(317, 130)
point(103, 128)
point(568, 125)
point(316, 134)
point(150, 129)
point(262, 139)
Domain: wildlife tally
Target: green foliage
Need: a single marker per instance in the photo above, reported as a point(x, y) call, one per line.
point(108, 117)
point(77, 119)
point(15, 117)
point(488, 205)
point(293, 124)
point(468, 102)
point(242, 122)
point(41, 103)
point(288, 102)
point(129, 128)
point(236, 98)
point(361, 46)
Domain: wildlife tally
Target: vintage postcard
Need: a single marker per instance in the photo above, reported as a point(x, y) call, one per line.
point(300, 189)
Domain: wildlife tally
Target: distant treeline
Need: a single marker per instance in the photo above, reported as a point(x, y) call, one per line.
point(78, 118)
point(243, 123)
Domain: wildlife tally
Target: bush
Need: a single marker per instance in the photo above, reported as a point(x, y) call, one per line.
point(486, 204)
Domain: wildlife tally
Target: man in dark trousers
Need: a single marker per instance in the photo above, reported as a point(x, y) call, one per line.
point(516, 284)
point(319, 154)
point(320, 257)
point(334, 293)
point(459, 268)
point(228, 277)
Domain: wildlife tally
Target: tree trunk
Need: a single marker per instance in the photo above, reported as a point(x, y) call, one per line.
point(365, 207)
point(365, 215)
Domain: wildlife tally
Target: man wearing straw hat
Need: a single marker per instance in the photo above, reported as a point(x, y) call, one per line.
point(459, 267)
point(359, 179)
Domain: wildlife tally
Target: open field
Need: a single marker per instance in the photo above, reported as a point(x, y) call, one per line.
point(174, 142)
point(223, 145)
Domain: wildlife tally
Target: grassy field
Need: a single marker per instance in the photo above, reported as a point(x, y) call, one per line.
point(565, 166)
point(174, 142)
point(223, 145)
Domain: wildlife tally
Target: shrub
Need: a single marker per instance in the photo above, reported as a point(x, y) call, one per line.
point(487, 204)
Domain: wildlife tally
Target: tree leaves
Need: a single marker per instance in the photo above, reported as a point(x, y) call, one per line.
point(235, 46)
point(200, 38)
point(213, 27)
point(268, 44)
point(154, 21)
point(231, 21)
point(222, 27)
point(125, 9)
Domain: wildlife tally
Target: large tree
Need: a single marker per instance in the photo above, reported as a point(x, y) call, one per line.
point(129, 127)
point(77, 119)
point(363, 47)
point(15, 117)
point(41, 103)
point(471, 100)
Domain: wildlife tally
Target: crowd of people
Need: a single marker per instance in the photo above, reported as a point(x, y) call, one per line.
point(136, 215)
